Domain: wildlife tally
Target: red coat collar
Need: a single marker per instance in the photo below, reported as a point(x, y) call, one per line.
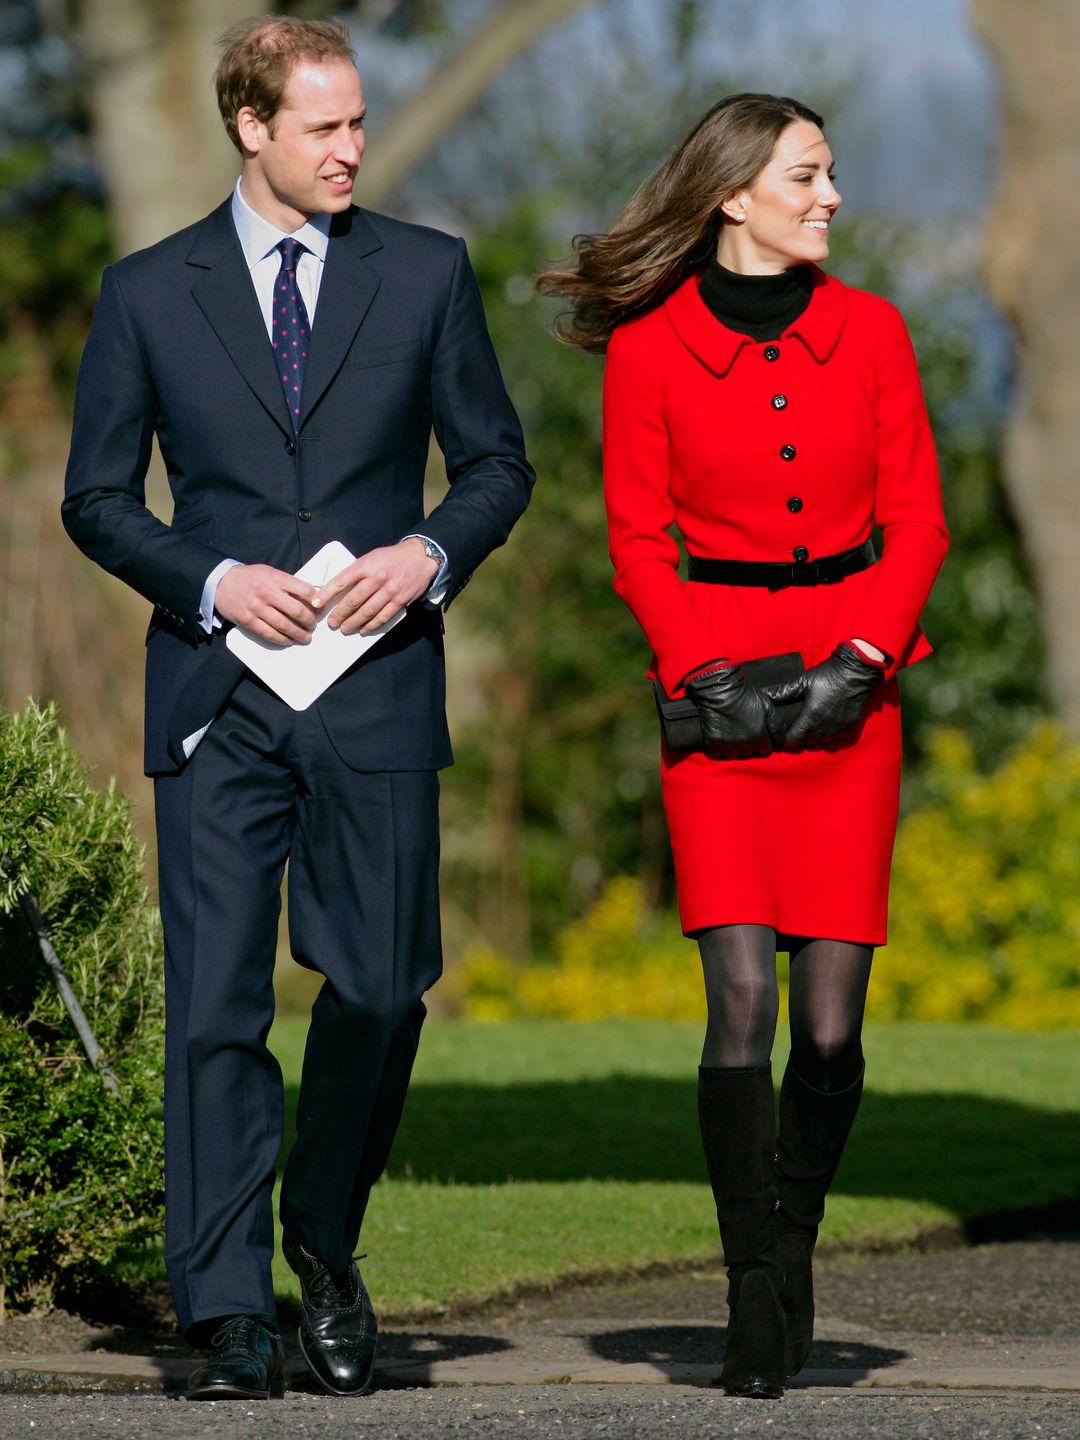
point(818, 327)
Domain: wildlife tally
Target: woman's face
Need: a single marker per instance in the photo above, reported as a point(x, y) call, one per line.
point(787, 211)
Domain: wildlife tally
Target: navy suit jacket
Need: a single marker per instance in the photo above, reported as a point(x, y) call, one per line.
point(178, 348)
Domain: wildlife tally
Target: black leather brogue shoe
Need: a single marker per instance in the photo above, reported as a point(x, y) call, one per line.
point(338, 1333)
point(246, 1362)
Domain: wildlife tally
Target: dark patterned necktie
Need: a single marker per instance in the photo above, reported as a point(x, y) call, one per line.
point(291, 329)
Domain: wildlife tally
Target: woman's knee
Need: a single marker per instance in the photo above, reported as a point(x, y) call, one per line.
point(827, 1057)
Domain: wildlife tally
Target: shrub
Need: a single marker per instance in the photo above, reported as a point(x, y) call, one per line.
point(985, 913)
point(80, 1168)
point(617, 959)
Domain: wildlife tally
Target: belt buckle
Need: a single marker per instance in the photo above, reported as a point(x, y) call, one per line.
point(804, 572)
point(785, 576)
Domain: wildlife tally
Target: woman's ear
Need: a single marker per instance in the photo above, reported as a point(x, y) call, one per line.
point(733, 207)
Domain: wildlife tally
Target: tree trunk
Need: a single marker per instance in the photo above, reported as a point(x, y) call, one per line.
point(1032, 267)
point(159, 138)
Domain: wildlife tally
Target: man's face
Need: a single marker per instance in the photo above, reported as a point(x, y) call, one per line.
point(305, 161)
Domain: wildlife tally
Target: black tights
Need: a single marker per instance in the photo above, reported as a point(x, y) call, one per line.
point(826, 999)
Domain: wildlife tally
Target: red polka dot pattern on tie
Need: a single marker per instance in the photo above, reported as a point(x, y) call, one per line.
point(291, 328)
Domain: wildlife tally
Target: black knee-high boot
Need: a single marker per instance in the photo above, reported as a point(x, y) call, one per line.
point(814, 1127)
point(738, 1129)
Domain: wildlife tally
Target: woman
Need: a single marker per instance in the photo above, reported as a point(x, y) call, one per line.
point(773, 415)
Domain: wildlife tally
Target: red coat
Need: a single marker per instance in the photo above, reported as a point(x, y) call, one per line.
point(754, 451)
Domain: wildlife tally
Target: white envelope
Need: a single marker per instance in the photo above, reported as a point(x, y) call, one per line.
point(300, 673)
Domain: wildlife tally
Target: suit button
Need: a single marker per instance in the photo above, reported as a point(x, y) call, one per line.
point(304, 514)
point(771, 352)
point(788, 452)
point(779, 402)
point(794, 504)
point(800, 553)
point(290, 448)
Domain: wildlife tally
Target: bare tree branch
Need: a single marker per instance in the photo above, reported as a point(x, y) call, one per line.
point(407, 135)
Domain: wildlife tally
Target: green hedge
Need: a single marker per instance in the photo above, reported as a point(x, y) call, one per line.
point(80, 1168)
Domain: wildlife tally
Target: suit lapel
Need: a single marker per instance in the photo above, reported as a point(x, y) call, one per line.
point(345, 294)
point(223, 291)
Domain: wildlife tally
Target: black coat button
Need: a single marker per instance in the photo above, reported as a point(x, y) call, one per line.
point(794, 504)
point(304, 514)
point(772, 352)
point(290, 448)
point(779, 402)
point(788, 452)
point(800, 553)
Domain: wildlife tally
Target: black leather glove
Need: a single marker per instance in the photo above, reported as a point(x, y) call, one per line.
point(834, 695)
point(732, 712)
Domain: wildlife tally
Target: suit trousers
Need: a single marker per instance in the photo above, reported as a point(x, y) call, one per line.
point(266, 786)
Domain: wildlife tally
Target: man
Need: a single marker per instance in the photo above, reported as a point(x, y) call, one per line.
point(291, 353)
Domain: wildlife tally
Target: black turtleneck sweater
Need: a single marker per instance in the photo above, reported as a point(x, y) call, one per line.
point(761, 306)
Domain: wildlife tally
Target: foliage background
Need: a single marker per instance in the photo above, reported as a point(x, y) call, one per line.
point(555, 797)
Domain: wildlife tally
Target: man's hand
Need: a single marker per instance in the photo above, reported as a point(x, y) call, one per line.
point(371, 591)
point(270, 603)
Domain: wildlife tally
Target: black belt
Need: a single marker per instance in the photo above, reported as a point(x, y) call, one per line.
point(778, 575)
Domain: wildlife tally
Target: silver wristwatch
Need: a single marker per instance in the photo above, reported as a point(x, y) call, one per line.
point(431, 550)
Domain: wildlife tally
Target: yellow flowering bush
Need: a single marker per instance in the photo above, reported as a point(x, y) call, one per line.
point(617, 959)
point(985, 910)
point(984, 925)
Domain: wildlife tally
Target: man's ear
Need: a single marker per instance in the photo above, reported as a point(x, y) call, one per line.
point(252, 131)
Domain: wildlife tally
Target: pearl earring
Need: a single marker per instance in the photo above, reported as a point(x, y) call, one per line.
point(740, 214)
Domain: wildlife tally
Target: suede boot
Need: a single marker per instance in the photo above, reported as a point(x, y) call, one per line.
point(814, 1127)
point(738, 1128)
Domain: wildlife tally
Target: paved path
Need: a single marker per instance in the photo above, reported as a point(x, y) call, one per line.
point(977, 1342)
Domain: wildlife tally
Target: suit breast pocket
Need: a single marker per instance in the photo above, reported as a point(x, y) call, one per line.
point(370, 356)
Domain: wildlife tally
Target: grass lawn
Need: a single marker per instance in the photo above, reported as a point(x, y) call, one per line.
point(535, 1150)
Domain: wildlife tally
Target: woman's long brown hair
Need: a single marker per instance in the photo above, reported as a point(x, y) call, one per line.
point(671, 226)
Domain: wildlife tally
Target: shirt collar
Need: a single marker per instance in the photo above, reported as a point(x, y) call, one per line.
point(819, 326)
point(258, 237)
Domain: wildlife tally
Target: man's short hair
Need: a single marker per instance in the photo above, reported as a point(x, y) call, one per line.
point(259, 55)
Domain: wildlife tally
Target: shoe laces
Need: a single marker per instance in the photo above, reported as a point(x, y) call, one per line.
point(234, 1332)
point(345, 1284)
